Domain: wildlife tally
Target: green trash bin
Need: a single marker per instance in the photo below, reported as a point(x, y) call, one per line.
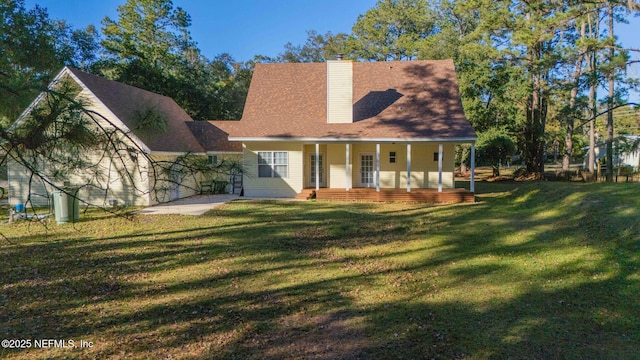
point(66, 206)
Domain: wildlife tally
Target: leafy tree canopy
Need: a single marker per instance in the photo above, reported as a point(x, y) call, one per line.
point(33, 47)
point(150, 46)
point(494, 147)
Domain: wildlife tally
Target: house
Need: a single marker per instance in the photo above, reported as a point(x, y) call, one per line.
point(335, 130)
point(353, 130)
point(149, 165)
point(626, 152)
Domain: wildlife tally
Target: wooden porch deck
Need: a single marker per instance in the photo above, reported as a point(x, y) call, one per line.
point(367, 194)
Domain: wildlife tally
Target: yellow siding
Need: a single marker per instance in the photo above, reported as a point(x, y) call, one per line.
point(392, 175)
point(237, 158)
point(112, 178)
point(97, 187)
point(424, 166)
point(127, 182)
point(336, 158)
point(20, 188)
point(167, 186)
point(273, 187)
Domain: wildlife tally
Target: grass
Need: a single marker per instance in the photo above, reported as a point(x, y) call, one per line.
point(534, 270)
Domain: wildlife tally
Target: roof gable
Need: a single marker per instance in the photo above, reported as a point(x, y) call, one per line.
point(129, 104)
point(391, 100)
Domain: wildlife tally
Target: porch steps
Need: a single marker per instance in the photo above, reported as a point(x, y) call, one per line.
point(416, 195)
point(306, 194)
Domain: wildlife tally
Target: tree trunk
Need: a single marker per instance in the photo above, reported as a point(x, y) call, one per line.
point(534, 129)
point(536, 113)
point(593, 95)
point(610, 101)
point(568, 140)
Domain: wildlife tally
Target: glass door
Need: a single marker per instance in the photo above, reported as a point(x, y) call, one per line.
point(312, 171)
point(367, 170)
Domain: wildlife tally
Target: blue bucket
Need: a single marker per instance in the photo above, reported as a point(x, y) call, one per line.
point(19, 207)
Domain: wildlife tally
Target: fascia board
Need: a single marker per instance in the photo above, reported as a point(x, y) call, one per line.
point(353, 140)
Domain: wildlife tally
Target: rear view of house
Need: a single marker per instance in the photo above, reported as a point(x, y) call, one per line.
point(371, 130)
point(341, 130)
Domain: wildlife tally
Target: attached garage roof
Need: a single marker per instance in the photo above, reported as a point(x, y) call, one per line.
point(212, 138)
point(128, 103)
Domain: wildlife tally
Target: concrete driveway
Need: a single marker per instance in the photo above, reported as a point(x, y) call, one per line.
point(195, 205)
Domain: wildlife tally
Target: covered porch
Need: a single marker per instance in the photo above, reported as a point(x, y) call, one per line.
point(419, 171)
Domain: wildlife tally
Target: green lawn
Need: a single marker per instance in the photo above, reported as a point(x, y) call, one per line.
point(532, 271)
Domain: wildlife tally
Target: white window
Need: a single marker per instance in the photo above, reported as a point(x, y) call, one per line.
point(273, 164)
point(392, 157)
point(213, 159)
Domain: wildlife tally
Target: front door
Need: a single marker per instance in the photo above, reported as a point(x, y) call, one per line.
point(312, 169)
point(367, 170)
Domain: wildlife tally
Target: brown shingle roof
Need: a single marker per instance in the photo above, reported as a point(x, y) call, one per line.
point(127, 102)
point(212, 138)
point(403, 100)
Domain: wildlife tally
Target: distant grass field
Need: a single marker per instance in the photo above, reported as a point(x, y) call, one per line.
point(534, 270)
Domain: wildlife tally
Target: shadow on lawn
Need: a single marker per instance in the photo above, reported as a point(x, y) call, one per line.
point(324, 281)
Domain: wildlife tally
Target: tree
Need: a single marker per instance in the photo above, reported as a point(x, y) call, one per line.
point(393, 30)
point(150, 47)
point(78, 48)
point(494, 147)
point(28, 56)
point(317, 48)
point(33, 48)
point(616, 60)
point(571, 109)
point(151, 32)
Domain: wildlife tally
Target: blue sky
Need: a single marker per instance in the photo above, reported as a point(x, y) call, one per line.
point(244, 28)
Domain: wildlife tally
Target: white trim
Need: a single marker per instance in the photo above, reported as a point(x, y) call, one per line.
point(176, 153)
point(324, 140)
point(440, 154)
point(40, 96)
point(377, 176)
point(408, 167)
point(223, 153)
point(472, 186)
point(349, 178)
point(317, 166)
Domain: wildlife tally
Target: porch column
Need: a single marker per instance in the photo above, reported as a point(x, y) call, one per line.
point(317, 165)
point(472, 186)
point(347, 182)
point(440, 167)
point(408, 167)
point(378, 167)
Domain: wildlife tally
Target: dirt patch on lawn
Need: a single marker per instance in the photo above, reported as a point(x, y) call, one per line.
point(327, 336)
